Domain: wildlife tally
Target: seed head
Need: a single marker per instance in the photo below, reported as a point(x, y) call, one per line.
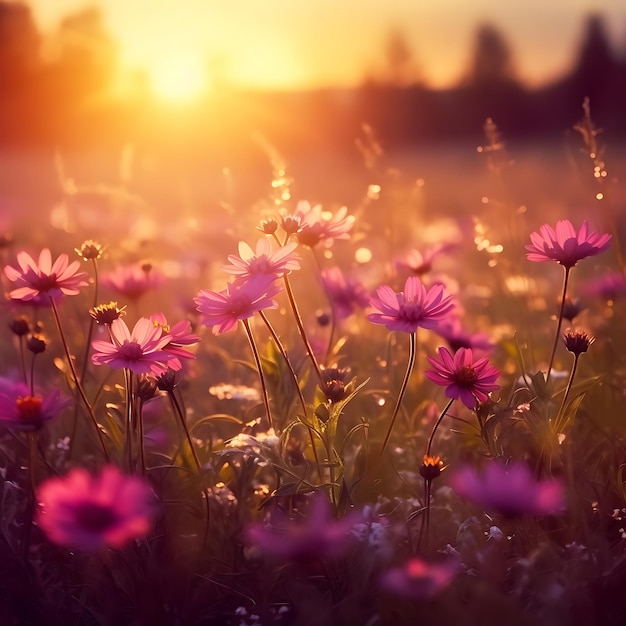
point(431, 467)
point(577, 341)
point(106, 314)
point(89, 250)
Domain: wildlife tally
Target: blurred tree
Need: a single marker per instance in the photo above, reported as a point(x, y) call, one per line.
point(492, 61)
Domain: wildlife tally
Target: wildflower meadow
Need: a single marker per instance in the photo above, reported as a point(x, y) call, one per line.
point(307, 413)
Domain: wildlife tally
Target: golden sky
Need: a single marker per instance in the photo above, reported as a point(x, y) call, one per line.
point(301, 43)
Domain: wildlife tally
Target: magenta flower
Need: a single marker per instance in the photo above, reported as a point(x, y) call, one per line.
point(420, 579)
point(141, 351)
point(317, 226)
point(419, 263)
point(464, 379)
point(452, 330)
point(85, 512)
point(180, 337)
point(511, 491)
point(22, 410)
point(264, 260)
point(36, 280)
point(346, 294)
point(415, 307)
point(221, 310)
point(311, 537)
point(133, 281)
point(564, 245)
point(608, 286)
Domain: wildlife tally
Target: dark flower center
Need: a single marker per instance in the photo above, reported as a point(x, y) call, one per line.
point(465, 377)
point(94, 517)
point(131, 350)
point(29, 410)
point(46, 282)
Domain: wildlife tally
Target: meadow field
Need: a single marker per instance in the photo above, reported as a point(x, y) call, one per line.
point(361, 387)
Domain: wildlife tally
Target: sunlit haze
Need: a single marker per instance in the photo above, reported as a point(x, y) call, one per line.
point(182, 44)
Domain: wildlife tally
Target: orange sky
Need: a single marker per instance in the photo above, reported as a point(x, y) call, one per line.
point(300, 43)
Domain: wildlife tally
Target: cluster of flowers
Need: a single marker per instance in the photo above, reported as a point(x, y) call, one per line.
point(113, 506)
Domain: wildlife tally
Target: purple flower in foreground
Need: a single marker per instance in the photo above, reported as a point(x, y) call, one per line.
point(511, 491)
point(36, 280)
point(180, 336)
point(315, 535)
point(22, 410)
point(464, 379)
point(91, 513)
point(221, 310)
point(564, 244)
point(412, 308)
point(420, 579)
point(141, 351)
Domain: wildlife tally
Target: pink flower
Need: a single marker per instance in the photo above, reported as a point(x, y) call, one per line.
point(35, 280)
point(133, 281)
point(419, 263)
point(221, 310)
point(22, 410)
point(265, 260)
point(311, 536)
point(141, 351)
point(564, 245)
point(464, 379)
point(318, 226)
point(415, 307)
point(511, 491)
point(457, 336)
point(345, 293)
point(180, 336)
point(420, 579)
point(85, 512)
point(608, 286)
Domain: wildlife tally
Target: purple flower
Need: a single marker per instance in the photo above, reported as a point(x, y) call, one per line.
point(85, 512)
point(511, 491)
point(565, 245)
point(36, 280)
point(608, 286)
point(458, 337)
point(221, 310)
point(315, 226)
point(346, 294)
point(464, 379)
point(314, 535)
point(141, 351)
point(132, 281)
point(22, 410)
point(420, 579)
point(265, 260)
point(412, 308)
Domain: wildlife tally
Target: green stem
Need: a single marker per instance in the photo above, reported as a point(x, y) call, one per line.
point(568, 388)
point(436, 426)
point(183, 420)
point(76, 381)
point(559, 323)
point(405, 382)
point(301, 330)
point(257, 361)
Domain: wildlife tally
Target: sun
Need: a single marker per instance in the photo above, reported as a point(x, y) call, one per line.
point(178, 79)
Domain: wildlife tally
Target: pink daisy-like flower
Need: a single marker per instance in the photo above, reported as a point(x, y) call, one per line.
point(38, 280)
point(346, 294)
point(415, 307)
point(317, 225)
point(453, 331)
point(133, 281)
point(511, 491)
point(180, 336)
point(22, 410)
point(464, 379)
point(266, 259)
point(420, 579)
point(221, 310)
point(419, 263)
point(141, 351)
point(85, 512)
point(565, 245)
